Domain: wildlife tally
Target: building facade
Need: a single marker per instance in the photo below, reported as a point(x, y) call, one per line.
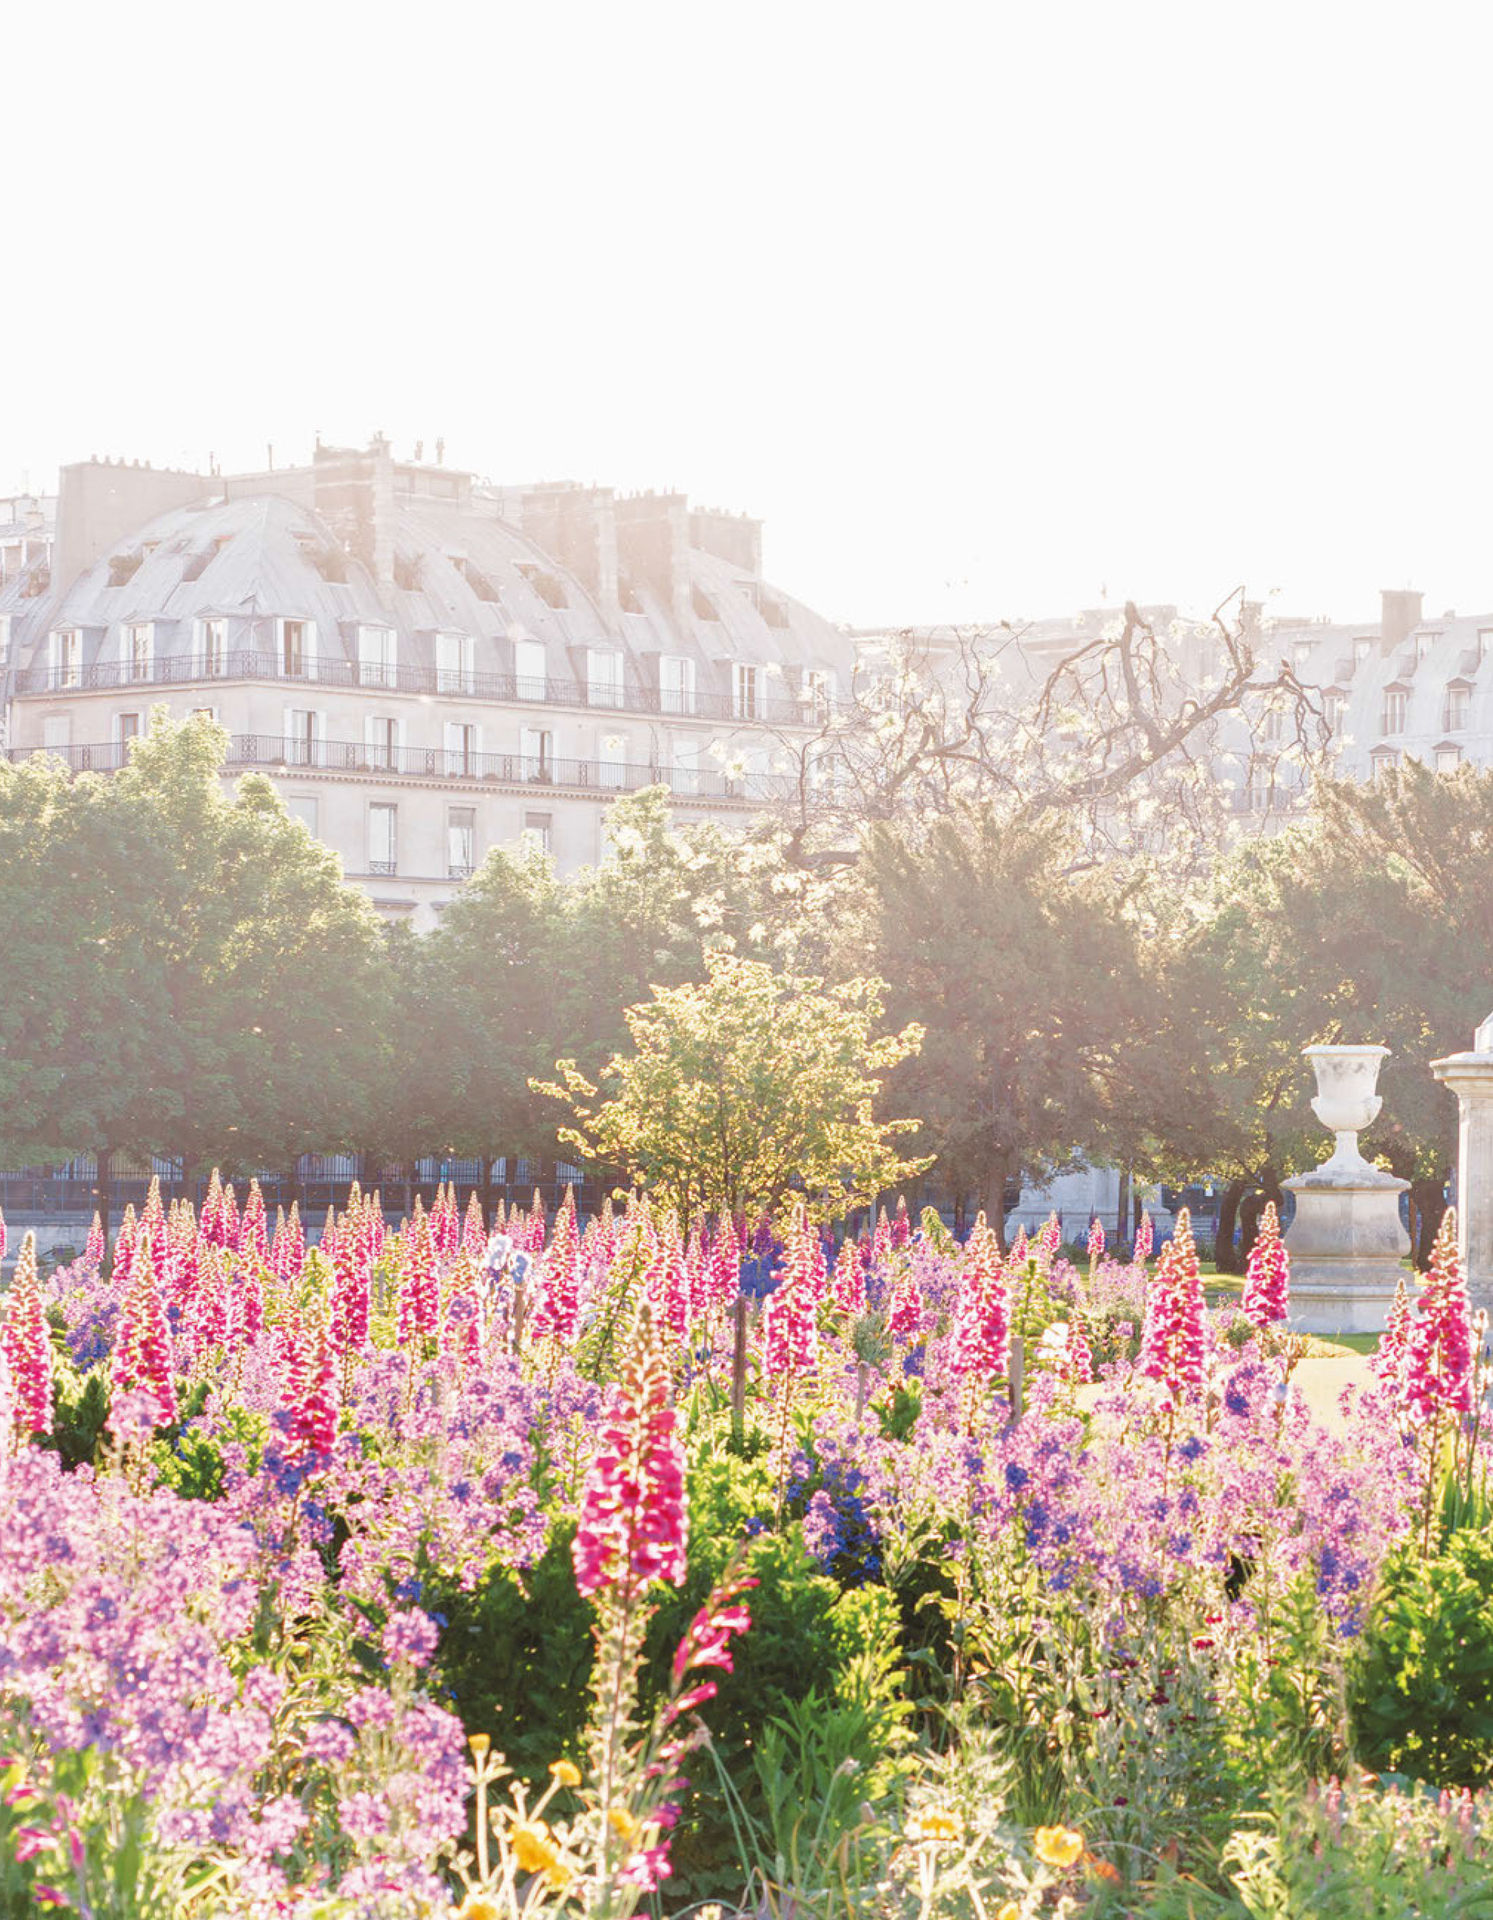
point(425, 665)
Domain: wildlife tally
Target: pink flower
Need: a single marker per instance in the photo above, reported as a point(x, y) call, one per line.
point(1440, 1361)
point(1172, 1341)
point(411, 1635)
point(790, 1321)
point(634, 1525)
point(982, 1313)
point(1267, 1284)
point(27, 1345)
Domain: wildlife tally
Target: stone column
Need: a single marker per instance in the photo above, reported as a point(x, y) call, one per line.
point(1470, 1077)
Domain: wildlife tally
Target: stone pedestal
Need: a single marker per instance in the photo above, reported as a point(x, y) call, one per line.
point(1470, 1077)
point(1346, 1242)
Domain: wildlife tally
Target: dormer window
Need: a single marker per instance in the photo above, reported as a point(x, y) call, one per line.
point(139, 650)
point(1454, 708)
point(746, 692)
point(1448, 757)
point(66, 648)
point(1361, 650)
point(1424, 643)
point(1382, 760)
point(1273, 723)
point(1392, 711)
point(455, 663)
point(818, 694)
point(1484, 641)
point(604, 677)
point(212, 648)
point(297, 648)
point(376, 651)
point(1301, 653)
point(676, 683)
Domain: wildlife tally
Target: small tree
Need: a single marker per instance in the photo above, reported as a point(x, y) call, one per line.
point(746, 1087)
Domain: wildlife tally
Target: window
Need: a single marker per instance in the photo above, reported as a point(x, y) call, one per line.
point(381, 740)
point(305, 734)
point(461, 841)
point(126, 728)
point(1424, 643)
point(304, 807)
point(1332, 710)
point(686, 775)
point(604, 677)
point(57, 732)
point(530, 669)
point(202, 713)
point(705, 608)
point(611, 760)
point(383, 837)
point(1381, 760)
point(1272, 724)
point(745, 682)
point(139, 650)
point(455, 663)
point(376, 647)
point(676, 684)
point(1454, 709)
point(212, 648)
point(67, 657)
point(1362, 649)
point(1448, 759)
point(539, 831)
point(1392, 712)
point(1301, 653)
point(463, 747)
point(818, 693)
point(537, 745)
point(295, 650)
point(547, 585)
point(1484, 641)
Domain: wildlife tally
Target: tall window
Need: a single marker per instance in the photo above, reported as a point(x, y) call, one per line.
point(381, 738)
point(676, 684)
point(67, 657)
point(539, 831)
point(295, 649)
point(304, 732)
point(212, 648)
point(1392, 712)
point(1332, 710)
point(1448, 759)
point(530, 669)
point(455, 662)
point(611, 760)
point(461, 841)
point(1301, 653)
point(604, 677)
point(537, 744)
point(376, 647)
point(126, 729)
point(818, 693)
point(1273, 723)
point(745, 692)
point(139, 650)
point(1362, 648)
point(1454, 709)
point(1381, 760)
point(1424, 643)
point(303, 807)
point(383, 838)
point(463, 745)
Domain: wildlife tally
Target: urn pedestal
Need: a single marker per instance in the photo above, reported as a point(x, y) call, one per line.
point(1470, 1077)
point(1346, 1241)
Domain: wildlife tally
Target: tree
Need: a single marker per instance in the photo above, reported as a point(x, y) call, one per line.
point(1125, 742)
point(214, 988)
point(746, 1087)
point(1028, 981)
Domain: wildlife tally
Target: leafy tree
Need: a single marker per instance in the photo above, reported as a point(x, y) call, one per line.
point(1028, 981)
point(214, 988)
point(746, 1087)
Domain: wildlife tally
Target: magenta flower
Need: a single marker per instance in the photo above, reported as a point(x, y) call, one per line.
point(982, 1316)
point(634, 1526)
point(1172, 1340)
point(1267, 1284)
point(410, 1635)
point(27, 1346)
point(1439, 1364)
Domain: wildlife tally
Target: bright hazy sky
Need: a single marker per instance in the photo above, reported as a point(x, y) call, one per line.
point(982, 308)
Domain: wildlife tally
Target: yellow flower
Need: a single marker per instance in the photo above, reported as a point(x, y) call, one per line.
point(1010, 1911)
point(479, 1906)
point(480, 1743)
point(534, 1847)
point(566, 1773)
point(622, 1823)
point(1057, 1846)
point(933, 1823)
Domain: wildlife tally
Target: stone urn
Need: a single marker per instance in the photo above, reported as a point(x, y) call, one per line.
point(1346, 1241)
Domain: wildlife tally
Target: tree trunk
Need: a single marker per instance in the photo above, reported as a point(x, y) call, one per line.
point(1122, 1205)
point(1228, 1213)
point(997, 1172)
point(1427, 1210)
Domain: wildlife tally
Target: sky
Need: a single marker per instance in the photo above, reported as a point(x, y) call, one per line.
point(987, 311)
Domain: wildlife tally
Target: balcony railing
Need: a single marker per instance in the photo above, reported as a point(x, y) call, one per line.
point(273, 753)
point(241, 663)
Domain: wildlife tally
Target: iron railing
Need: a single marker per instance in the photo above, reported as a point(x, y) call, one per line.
point(248, 663)
point(276, 754)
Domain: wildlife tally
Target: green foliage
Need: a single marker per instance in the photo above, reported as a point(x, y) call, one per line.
point(1421, 1688)
point(746, 1088)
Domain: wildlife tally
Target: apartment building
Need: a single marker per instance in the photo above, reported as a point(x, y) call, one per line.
point(427, 666)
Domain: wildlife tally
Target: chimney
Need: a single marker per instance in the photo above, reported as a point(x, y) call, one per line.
point(577, 526)
point(653, 546)
point(100, 504)
point(1399, 615)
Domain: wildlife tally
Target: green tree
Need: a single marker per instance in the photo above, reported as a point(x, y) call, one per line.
point(746, 1087)
point(1028, 981)
point(215, 992)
